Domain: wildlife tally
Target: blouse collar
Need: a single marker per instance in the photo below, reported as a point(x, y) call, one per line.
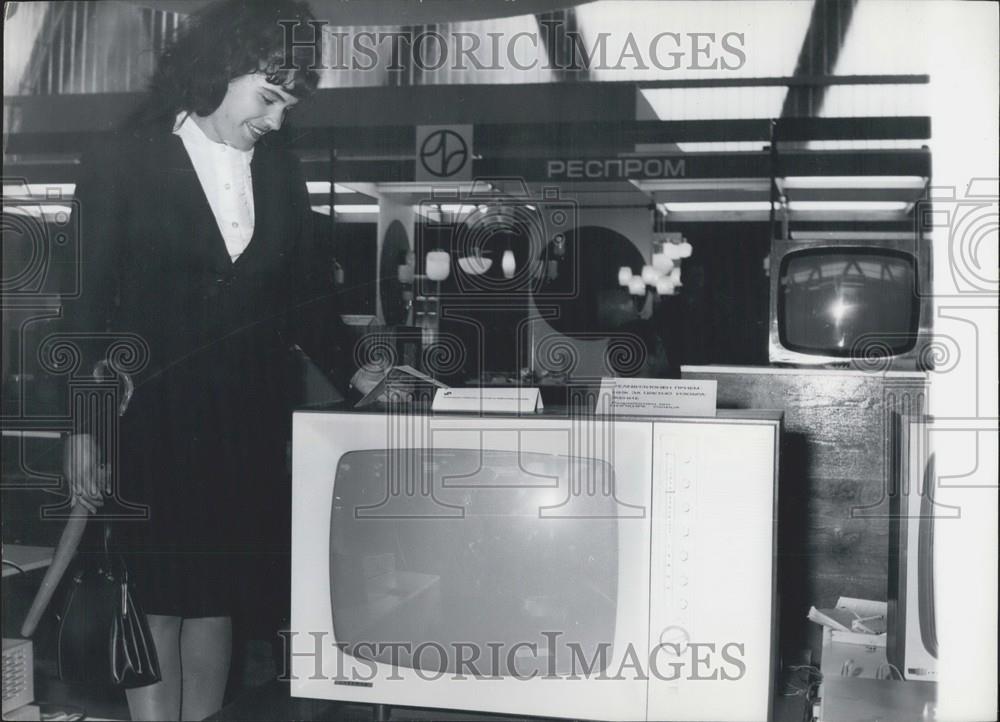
point(190, 132)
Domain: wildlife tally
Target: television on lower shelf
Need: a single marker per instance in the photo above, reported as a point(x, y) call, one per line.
point(596, 568)
point(912, 625)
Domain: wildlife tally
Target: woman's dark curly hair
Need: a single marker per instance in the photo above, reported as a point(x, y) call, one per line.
point(231, 38)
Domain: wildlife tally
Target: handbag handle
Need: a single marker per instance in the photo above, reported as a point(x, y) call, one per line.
point(113, 560)
point(104, 370)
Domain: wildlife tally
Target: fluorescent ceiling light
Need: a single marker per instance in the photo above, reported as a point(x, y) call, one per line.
point(719, 207)
point(656, 147)
point(727, 146)
point(864, 144)
point(752, 206)
point(347, 208)
point(853, 235)
point(324, 187)
point(44, 210)
point(55, 191)
point(707, 184)
point(356, 208)
point(848, 181)
point(456, 208)
point(447, 190)
point(848, 205)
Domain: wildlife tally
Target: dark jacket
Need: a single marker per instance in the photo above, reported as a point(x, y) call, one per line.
point(204, 439)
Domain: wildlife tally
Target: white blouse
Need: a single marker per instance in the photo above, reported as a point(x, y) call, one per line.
point(224, 173)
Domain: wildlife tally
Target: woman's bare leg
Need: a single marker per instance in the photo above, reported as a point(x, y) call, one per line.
point(206, 652)
point(161, 701)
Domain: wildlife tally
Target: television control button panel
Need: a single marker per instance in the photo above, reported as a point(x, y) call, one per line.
point(712, 526)
point(674, 512)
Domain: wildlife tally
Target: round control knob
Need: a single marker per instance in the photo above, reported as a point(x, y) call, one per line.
point(683, 604)
point(674, 636)
point(684, 556)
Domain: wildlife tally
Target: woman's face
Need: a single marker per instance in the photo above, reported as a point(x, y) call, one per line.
point(251, 108)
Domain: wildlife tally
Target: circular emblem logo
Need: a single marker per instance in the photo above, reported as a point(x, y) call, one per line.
point(443, 153)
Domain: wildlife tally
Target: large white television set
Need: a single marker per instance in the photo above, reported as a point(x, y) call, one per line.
point(554, 565)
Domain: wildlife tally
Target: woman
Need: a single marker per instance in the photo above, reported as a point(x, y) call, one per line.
point(196, 236)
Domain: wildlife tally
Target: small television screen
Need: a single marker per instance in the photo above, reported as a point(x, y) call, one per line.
point(834, 300)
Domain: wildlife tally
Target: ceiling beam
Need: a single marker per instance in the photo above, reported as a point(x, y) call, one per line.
point(559, 31)
point(821, 46)
point(547, 169)
point(516, 105)
point(498, 140)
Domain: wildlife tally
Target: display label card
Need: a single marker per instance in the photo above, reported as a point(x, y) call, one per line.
point(505, 400)
point(657, 397)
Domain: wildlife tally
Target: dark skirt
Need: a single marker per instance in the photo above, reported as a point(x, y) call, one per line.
point(209, 472)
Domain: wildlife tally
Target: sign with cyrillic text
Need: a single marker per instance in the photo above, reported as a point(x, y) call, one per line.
point(657, 397)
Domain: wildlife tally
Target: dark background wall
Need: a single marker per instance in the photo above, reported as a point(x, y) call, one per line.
point(721, 313)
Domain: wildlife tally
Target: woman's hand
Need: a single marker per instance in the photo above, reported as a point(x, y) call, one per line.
point(367, 377)
point(87, 477)
point(370, 376)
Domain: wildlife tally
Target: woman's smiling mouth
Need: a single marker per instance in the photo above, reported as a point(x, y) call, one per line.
point(255, 131)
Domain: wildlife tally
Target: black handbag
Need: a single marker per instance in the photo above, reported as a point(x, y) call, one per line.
point(103, 636)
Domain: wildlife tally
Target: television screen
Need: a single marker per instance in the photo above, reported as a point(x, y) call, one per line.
point(483, 566)
point(835, 301)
